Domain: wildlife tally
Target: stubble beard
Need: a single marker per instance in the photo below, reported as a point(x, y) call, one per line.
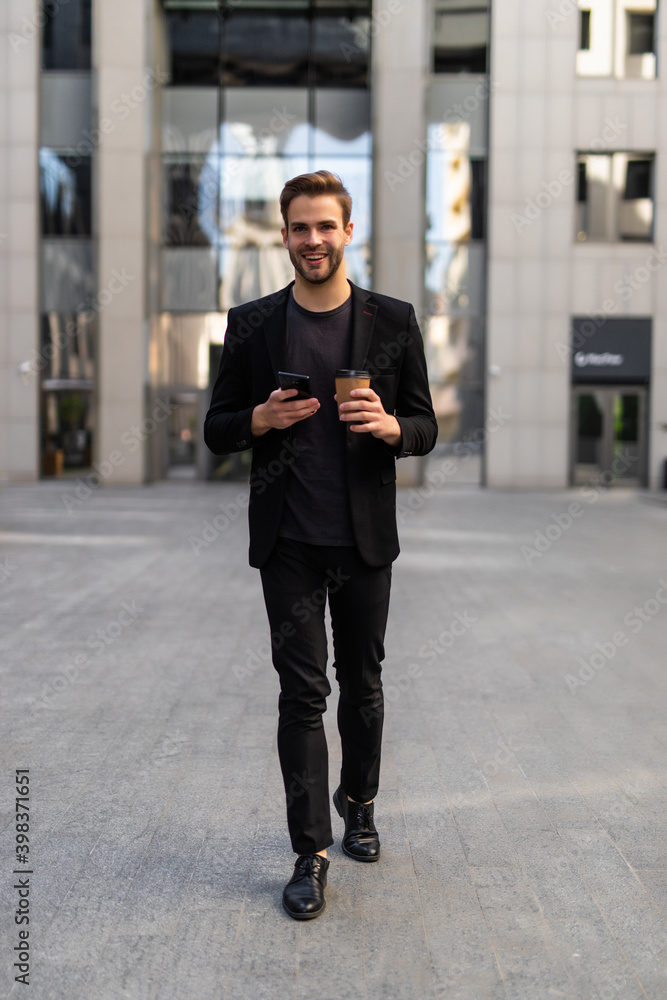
point(335, 260)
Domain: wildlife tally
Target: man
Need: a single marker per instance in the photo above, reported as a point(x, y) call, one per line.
point(322, 508)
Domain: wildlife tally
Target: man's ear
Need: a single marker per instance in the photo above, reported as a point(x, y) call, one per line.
point(283, 233)
point(348, 233)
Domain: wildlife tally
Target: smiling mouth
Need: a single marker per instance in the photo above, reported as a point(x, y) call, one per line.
point(314, 258)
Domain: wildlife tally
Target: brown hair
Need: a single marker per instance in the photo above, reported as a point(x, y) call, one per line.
point(320, 182)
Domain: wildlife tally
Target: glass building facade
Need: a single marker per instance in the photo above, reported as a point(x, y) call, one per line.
point(256, 94)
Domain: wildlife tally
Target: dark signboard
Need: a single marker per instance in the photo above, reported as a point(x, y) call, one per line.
point(611, 350)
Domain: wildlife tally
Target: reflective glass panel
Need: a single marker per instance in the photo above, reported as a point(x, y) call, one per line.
point(189, 119)
point(65, 110)
point(454, 197)
point(251, 270)
point(455, 276)
point(194, 47)
point(250, 192)
point(66, 34)
point(67, 275)
point(67, 347)
point(266, 121)
point(342, 122)
point(355, 173)
point(191, 187)
point(189, 279)
point(265, 50)
point(460, 38)
point(341, 50)
point(65, 193)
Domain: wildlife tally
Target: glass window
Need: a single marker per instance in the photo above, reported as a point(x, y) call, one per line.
point(189, 119)
point(65, 111)
point(614, 197)
point(640, 34)
point(191, 186)
point(341, 51)
point(461, 36)
point(266, 121)
point(194, 47)
point(66, 34)
point(67, 346)
point(189, 279)
point(342, 122)
point(67, 275)
point(584, 30)
point(265, 50)
point(65, 193)
point(455, 196)
point(250, 189)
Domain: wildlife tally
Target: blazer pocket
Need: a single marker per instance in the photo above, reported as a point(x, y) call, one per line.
point(388, 474)
point(377, 373)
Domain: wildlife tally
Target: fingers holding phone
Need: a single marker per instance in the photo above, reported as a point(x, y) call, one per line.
point(285, 406)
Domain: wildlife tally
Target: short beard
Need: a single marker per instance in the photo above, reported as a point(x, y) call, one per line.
point(335, 260)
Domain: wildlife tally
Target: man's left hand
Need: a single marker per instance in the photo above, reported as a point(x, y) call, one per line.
point(366, 406)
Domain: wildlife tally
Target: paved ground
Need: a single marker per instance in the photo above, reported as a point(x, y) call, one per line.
point(522, 804)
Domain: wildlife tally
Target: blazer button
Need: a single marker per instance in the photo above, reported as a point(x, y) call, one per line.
point(241, 444)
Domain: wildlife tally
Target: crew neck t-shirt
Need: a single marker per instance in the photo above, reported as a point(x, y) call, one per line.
point(317, 506)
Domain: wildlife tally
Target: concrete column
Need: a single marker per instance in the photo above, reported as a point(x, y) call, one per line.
point(126, 86)
point(19, 240)
point(531, 160)
point(400, 45)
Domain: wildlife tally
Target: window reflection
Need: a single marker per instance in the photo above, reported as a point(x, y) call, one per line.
point(342, 122)
point(189, 119)
point(461, 36)
point(194, 47)
point(341, 51)
point(266, 120)
point(265, 50)
point(66, 35)
point(614, 197)
point(191, 196)
point(65, 193)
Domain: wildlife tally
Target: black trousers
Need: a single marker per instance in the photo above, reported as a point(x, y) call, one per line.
point(297, 579)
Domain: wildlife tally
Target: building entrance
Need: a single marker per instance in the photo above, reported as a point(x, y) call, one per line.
point(609, 434)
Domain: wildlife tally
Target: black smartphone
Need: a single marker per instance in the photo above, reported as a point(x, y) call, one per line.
point(288, 380)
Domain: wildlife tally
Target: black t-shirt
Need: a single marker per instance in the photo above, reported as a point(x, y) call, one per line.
point(317, 506)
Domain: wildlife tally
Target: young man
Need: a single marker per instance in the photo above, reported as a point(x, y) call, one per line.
point(322, 508)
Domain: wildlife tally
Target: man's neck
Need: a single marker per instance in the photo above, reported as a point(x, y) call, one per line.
point(322, 298)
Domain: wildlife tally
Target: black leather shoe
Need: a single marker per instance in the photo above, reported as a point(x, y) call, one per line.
point(303, 896)
point(360, 840)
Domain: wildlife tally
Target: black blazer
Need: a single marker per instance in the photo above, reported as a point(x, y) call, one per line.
point(385, 341)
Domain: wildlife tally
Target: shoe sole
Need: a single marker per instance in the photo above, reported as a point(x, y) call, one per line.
point(305, 916)
point(355, 857)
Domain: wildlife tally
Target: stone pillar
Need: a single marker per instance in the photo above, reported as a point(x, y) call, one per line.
point(19, 240)
point(126, 87)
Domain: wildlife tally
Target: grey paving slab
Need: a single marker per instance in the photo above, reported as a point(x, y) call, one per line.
point(522, 814)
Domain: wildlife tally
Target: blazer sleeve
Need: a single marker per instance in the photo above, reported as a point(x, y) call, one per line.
point(227, 423)
point(414, 408)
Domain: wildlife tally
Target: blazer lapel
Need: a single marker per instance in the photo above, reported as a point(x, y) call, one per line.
point(275, 330)
point(363, 324)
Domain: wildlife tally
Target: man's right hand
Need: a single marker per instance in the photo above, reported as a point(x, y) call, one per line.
point(280, 411)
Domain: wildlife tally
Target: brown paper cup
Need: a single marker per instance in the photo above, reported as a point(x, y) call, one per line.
point(349, 380)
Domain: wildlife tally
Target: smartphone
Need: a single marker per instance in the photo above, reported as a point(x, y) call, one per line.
point(288, 380)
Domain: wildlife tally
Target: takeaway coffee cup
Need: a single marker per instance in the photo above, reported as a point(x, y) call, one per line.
point(347, 380)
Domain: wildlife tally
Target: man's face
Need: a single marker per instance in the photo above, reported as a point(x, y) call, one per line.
point(315, 236)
